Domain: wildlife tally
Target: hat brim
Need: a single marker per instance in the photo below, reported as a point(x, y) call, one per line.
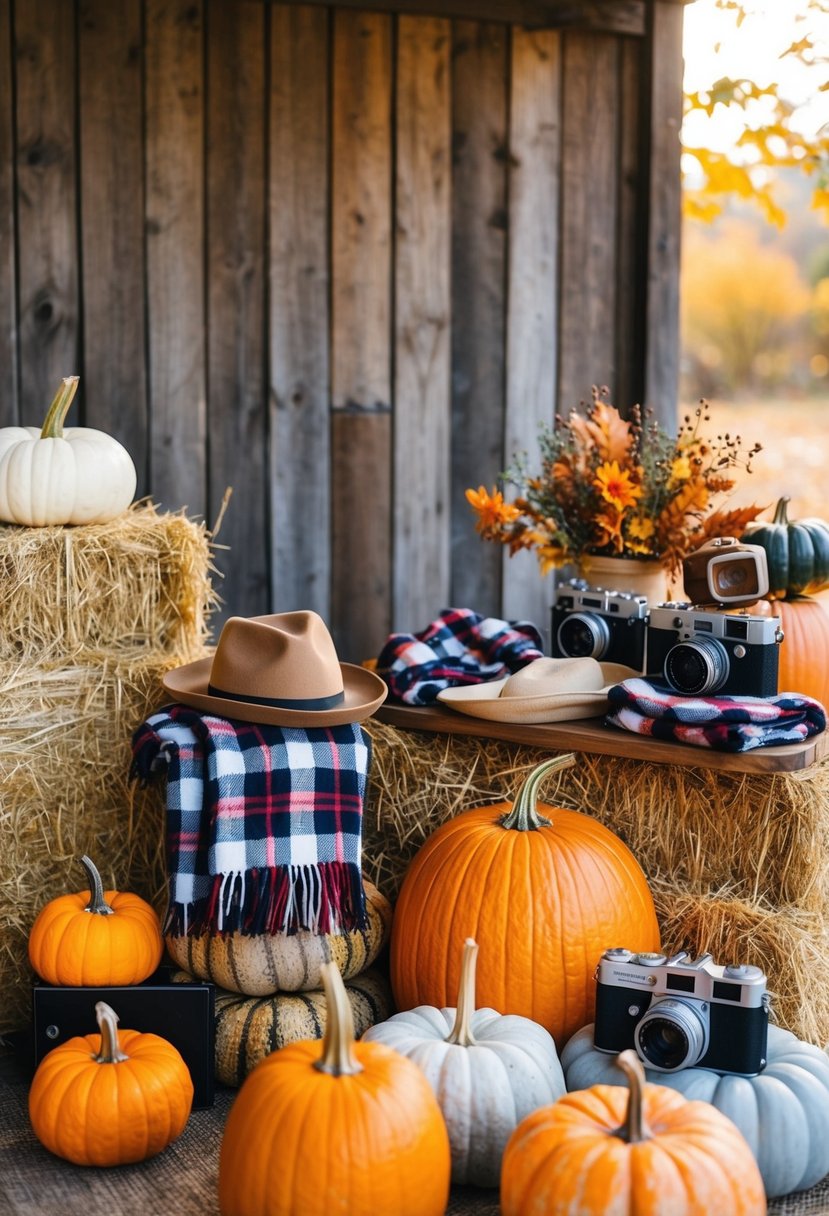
point(364, 692)
point(485, 700)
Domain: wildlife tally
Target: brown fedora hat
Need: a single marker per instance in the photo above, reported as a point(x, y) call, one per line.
point(279, 670)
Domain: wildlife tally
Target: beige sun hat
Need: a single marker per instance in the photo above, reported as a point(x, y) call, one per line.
point(278, 670)
point(546, 690)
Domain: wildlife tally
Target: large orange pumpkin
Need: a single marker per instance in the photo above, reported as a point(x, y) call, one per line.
point(335, 1126)
point(543, 890)
point(639, 1152)
point(110, 1099)
point(95, 938)
point(804, 651)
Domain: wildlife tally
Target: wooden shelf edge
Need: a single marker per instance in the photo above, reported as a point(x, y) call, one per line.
point(592, 736)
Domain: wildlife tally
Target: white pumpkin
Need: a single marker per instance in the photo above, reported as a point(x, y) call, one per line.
point(783, 1113)
point(488, 1071)
point(55, 476)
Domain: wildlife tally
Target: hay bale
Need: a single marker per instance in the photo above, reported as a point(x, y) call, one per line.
point(141, 580)
point(90, 620)
point(791, 946)
point(765, 836)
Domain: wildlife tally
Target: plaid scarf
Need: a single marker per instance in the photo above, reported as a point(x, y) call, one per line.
point(264, 823)
point(730, 724)
point(461, 647)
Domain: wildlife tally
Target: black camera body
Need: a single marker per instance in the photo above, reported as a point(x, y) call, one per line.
point(704, 653)
point(591, 622)
point(682, 1013)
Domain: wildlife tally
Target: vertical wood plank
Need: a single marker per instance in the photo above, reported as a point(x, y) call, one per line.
point(422, 318)
point(236, 390)
point(532, 353)
point(664, 214)
point(175, 251)
point(110, 56)
point(9, 412)
point(632, 231)
point(589, 217)
point(361, 355)
point(300, 456)
point(479, 221)
point(46, 197)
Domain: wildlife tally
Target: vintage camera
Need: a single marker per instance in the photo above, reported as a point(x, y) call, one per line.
point(594, 623)
point(726, 571)
point(700, 653)
point(681, 1012)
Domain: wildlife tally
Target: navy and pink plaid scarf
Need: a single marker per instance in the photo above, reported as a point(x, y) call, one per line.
point(731, 724)
point(460, 647)
point(264, 823)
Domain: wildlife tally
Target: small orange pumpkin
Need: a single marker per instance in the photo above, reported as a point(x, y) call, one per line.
point(339, 1126)
point(544, 890)
point(804, 651)
point(95, 938)
point(637, 1152)
point(105, 1099)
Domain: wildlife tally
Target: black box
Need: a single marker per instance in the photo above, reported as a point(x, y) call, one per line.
point(180, 1013)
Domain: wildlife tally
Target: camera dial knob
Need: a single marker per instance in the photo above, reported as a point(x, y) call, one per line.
point(651, 960)
point(618, 954)
point(742, 971)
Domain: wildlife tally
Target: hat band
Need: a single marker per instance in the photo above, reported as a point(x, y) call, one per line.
point(313, 703)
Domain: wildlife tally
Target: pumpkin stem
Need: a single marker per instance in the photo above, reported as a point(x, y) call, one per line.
point(781, 515)
point(97, 903)
point(461, 1032)
point(524, 816)
point(53, 422)
point(634, 1127)
point(337, 1058)
point(110, 1052)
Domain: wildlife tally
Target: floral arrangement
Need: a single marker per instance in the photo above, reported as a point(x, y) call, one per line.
point(615, 487)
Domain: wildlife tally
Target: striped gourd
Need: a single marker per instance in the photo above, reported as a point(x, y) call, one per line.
point(250, 1028)
point(265, 963)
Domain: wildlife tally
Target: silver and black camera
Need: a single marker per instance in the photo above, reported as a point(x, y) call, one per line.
point(595, 623)
point(700, 653)
point(681, 1012)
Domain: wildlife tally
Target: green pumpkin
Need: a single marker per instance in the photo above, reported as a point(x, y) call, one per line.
point(797, 553)
point(783, 1113)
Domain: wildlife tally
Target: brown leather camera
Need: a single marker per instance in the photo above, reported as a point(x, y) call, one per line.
point(726, 571)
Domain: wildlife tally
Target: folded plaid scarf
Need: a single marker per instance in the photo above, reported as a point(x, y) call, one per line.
point(264, 823)
point(460, 647)
point(731, 724)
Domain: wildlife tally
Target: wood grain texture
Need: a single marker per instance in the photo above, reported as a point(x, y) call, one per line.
point(298, 320)
point(9, 411)
point(614, 16)
point(533, 320)
point(361, 331)
point(479, 222)
point(112, 225)
point(236, 389)
point(422, 318)
point(629, 322)
point(589, 219)
point(175, 251)
point(664, 215)
point(44, 41)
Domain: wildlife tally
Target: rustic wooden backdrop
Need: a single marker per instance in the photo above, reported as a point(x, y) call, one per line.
point(342, 261)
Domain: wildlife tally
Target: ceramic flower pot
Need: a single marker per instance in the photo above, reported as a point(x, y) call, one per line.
point(648, 578)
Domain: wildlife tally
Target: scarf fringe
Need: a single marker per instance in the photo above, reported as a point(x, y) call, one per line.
point(325, 898)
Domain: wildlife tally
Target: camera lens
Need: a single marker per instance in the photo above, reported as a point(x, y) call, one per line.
point(583, 635)
point(697, 667)
point(673, 1034)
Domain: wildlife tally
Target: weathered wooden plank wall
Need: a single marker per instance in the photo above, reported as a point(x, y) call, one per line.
point(342, 261)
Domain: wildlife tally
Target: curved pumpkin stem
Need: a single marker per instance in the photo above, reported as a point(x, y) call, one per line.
point(110, 1052)
point(461, 1032)
point(524, 816)
point(97, 903)
point(781, 514)
point(337, 1058)
point(53, 422)
point(634, 1127)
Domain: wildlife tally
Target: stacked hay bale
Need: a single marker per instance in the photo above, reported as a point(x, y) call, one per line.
point(90, 619)
point(738, 863)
